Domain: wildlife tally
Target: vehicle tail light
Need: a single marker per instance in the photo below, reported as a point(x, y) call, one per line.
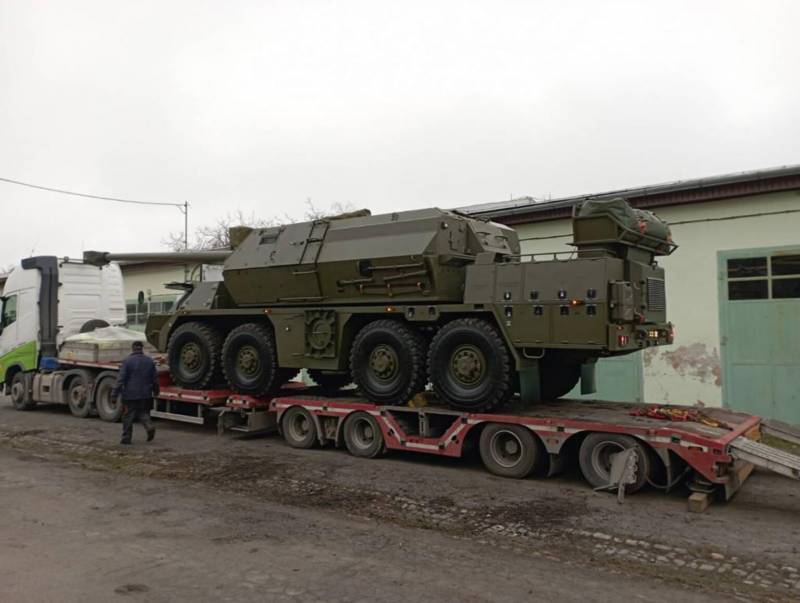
point(623, 340)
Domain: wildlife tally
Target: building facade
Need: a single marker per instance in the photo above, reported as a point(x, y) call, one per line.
point(733, 290)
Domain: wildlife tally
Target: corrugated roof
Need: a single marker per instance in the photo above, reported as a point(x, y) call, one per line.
point(670, 193)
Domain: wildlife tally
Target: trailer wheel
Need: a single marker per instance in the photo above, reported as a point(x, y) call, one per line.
point(597, 454)
point(330, 382)
point(387, 362)
point(470, 366)
point(193, 352)
point(298, 427)
point(78, 397)
point(109, 409)
point(510, 450)
point(18, 393)
point(362, 435)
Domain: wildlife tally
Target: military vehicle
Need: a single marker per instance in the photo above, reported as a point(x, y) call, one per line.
point(393, 302)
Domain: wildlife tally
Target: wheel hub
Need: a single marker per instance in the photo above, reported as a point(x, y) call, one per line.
point(363, 433)
point(78, 395)
point(248, 361)
point(191, 356)
point(468, 365)
point(383, 362)
point(506, 448)
point(17, 391)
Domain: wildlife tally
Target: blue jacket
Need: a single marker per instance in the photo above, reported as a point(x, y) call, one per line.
point(137, 378)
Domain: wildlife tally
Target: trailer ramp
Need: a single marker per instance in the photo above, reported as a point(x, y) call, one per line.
point(766, 457)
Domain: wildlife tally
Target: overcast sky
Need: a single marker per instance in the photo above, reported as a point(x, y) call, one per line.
point(388, 105)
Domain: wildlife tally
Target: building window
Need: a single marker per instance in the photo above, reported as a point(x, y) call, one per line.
point(764, 277)
point(157, 304)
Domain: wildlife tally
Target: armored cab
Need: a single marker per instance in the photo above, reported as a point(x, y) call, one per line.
point(397, 301)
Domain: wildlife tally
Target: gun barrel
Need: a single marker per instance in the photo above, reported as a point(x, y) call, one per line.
point(101, 258)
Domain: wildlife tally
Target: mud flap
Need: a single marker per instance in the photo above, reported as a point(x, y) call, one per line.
point(588, 380)
point(530, 385)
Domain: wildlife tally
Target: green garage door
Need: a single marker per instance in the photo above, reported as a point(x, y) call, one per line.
point(760, 331)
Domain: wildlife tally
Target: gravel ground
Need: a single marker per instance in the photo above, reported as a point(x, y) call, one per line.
point(201, 517)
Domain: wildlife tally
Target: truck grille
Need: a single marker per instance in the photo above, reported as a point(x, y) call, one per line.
point(656, 295)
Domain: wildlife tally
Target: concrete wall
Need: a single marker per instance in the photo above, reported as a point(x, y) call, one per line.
point(689, 371)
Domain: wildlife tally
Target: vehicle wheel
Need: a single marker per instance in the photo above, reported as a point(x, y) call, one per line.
point(78, 397)
point(249, 360)
point(91, 325)
point(330, 382)
point(387, 362)
point(557, 377)
point(109, 409)
point(597, 453)
point(470, 366)
point(362, 435)
point(298, 427)
point(193, 352)
point(510, 450)
point(18, 393)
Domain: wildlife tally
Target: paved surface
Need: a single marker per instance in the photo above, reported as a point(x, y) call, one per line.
point(193, 516)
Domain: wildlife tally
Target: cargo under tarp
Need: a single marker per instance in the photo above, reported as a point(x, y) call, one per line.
point(106, 344)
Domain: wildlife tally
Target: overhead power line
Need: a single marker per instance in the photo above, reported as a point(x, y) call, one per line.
point(88, 196)
point(183, 207)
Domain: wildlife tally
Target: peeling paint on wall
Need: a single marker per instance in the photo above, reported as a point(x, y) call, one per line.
point(694, 361)
point(649, 355)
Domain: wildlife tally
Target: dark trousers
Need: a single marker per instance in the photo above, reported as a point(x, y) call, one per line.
point(133, 410)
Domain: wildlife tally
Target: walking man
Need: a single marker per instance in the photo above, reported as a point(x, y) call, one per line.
point(138, 383)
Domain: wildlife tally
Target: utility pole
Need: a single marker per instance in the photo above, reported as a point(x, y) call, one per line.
point(185, 210)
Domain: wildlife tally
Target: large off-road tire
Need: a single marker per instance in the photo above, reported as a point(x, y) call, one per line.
point(298, 428)
point(109, 409)
point(78, 399)
point(597, 454)
point(19, 397)
point(470, 366)
point(557, 375)
point(363, 436)
point(250, 360)
point(387, 362)
point(193, 352)
point(510, 450)
point(330, 382)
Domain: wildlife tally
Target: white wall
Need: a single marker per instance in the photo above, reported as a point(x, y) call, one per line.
point(152, 277)
point(689, 371)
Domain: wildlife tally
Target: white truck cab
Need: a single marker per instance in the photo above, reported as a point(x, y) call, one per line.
point(47, 299)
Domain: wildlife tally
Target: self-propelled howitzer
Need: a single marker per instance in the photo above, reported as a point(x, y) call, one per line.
point(396, 301)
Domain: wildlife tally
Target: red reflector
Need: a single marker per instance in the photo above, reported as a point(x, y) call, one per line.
point(623, 340)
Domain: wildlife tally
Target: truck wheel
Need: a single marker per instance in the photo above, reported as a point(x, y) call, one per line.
point(469, 365)
point(298, 427)
point(18, 393)
point(362, 435)
point(597, 453)
point(557, 376)
point(330, 382)
point(78, 397)
point(387, 362)
point(510, 450)
point(193, 352)
point(109, 409)
point(249, 360)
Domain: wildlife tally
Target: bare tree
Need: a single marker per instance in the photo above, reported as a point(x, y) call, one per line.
point(216, 235)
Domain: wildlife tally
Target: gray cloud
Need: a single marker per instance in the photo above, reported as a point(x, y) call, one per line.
point(260, 105)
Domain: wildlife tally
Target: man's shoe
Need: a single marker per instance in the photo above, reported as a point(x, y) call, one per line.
point(151, 433)
point(126, 442)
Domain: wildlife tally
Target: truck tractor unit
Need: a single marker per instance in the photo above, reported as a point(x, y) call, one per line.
point(45, 300)
point(393, 302)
